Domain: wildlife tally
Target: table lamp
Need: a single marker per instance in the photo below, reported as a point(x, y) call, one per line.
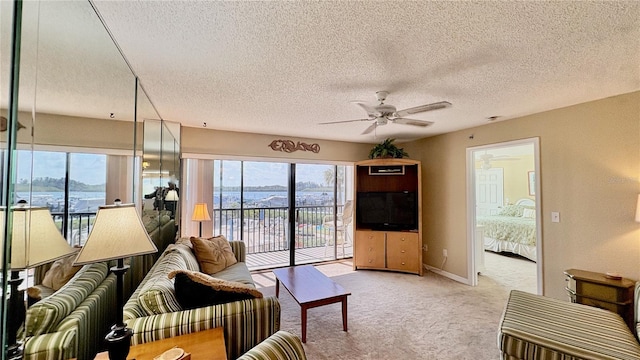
point(200, 214)
point(35, 240)
point(117, 233)
point(170, 201)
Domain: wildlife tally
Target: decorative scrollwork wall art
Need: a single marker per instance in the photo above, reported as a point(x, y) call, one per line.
point(289, 146)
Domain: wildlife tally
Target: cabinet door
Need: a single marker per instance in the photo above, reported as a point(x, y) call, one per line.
point(369, 249)
point(403, 251)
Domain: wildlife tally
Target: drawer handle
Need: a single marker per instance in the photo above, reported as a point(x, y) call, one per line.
point(403, 251)
point(402, 239)
point(370, 249)
point(370, 261)
point(403, 263)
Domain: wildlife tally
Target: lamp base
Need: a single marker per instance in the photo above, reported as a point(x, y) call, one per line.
point(118, 342)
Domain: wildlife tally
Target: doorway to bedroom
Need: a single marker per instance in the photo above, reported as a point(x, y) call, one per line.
point(504, 222)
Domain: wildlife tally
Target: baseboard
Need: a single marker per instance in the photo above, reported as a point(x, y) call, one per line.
point(446, 274)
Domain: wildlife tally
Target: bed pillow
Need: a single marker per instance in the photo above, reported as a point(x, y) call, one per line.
point(512, 210)
point(529, 213)
point(195, 290)
point(213, 254)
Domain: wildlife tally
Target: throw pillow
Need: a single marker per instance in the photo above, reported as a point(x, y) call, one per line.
point(195, 290)
point(60, 272)
point(213, 254)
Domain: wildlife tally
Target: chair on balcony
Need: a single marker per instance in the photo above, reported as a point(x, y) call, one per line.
point(340, 227)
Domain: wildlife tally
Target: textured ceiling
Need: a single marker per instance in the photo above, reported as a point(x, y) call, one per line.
point(281, 68)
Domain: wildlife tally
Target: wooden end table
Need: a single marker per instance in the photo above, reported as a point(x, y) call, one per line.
point(311, 288)
point(206, 344)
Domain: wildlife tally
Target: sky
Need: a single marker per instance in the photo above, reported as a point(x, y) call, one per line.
point(86, 168)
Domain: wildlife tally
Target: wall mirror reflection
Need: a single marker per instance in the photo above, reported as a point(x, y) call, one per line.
point(161, 180)
point(73, 151)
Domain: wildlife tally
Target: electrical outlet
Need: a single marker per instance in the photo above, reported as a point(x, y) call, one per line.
point(445, 253)
point(555, 216)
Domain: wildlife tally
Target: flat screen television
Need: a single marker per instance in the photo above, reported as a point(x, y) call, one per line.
point(393, 211)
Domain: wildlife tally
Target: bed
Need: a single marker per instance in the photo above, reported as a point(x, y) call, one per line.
point(512, 230)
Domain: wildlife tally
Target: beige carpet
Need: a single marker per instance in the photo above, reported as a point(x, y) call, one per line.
point(398, 316)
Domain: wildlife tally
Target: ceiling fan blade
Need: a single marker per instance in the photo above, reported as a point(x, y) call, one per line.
point(370, 128)
point(343, 121)
point(371, 111)
point(413, 122)
point(423, 108)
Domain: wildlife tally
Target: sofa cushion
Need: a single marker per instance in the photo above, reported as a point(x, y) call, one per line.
point(195, 289)
point(157, 294)
point(43, 316)
point(238, 272)
point(213, 254)
point(61, 272)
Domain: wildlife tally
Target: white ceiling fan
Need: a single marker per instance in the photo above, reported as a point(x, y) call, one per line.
point(382, 113)
point(488, 158)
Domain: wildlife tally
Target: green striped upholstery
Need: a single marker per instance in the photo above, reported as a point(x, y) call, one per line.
point(239, 250)
point(93, 318)
point(72, 322)
point(53, 346)
point(245, 323)
point(535, 327)
point(157, 295)
point(43, 316)
point(279, 346)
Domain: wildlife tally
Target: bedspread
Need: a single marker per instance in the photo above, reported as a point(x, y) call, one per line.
point(509, 228)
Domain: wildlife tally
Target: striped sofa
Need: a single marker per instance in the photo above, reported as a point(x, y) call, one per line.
point(535, 327)
point(72, 322)
point(282, 345)
point(154, 313)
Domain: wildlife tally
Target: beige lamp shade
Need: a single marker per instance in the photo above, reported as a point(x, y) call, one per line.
point(35, 239)
point(117, 233)
point(638, 210)
point(201, 212)
point(172, 195)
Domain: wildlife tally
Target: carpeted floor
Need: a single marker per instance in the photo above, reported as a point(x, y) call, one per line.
point(398, 316)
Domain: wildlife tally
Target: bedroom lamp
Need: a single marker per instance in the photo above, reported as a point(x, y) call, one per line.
point(117, 233)
point(200, 214)
point(35, 240)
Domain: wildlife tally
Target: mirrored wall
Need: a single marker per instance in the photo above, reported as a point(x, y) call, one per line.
point(69, 92)
point(161, 180)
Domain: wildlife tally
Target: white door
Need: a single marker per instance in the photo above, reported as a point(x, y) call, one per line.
point(489, 191)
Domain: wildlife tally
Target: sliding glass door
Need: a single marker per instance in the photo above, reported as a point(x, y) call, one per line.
point(285, 213)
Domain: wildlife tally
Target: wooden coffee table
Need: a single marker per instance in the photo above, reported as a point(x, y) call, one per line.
point(206, 344)
point(311, 288)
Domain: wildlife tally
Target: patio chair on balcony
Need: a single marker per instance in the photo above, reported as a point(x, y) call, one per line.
point(340, 227)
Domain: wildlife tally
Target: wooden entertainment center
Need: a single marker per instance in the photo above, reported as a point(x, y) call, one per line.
point(397, 244)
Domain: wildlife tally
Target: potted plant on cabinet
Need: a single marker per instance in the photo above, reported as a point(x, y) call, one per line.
point(387, 149)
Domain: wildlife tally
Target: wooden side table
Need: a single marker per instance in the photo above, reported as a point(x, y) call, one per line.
point(202, 345)
point(595, 289)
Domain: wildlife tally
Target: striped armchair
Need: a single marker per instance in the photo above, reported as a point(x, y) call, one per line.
point(154, 313)
point(535, 327)
point(72, 322)
point(279, 346)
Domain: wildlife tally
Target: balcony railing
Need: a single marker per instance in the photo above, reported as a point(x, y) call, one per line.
point(265, 229)
point(79, 226)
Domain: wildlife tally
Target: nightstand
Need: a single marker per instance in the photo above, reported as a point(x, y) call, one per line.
point(595, 289)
